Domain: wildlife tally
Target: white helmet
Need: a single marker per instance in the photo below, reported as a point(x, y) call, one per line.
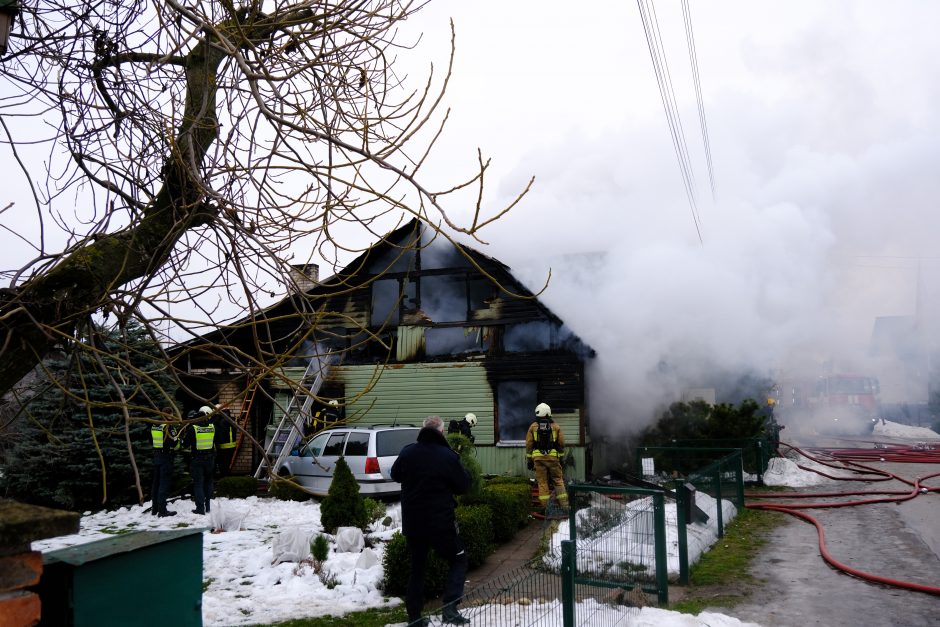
point(205, 410)
point(333, 403)
point(542, 410)
point(471, 420)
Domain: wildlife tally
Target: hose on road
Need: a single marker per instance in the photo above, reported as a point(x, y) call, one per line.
point(851, 460)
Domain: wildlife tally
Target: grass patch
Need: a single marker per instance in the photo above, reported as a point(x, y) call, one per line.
point(721, 577)
point(377, 617)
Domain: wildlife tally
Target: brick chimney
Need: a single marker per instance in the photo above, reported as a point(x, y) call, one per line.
point(305, 275)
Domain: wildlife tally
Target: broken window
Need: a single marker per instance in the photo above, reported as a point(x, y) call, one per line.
point(516, 401)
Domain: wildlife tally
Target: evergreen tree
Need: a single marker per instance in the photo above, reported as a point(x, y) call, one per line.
point(343, 505)
point(71, 448)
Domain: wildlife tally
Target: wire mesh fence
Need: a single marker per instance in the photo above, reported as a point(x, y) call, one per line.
point(600, 565)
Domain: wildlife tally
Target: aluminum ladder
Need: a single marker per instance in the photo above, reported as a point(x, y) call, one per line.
point(290, 428)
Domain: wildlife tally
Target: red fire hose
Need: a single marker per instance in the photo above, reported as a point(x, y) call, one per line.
point(850, 459)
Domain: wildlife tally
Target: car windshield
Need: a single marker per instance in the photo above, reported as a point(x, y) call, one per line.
point(389, 443)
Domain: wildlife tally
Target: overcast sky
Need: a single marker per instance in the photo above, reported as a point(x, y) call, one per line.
point(822, 121)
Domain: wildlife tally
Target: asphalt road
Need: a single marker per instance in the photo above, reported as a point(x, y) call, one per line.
point(899, 541)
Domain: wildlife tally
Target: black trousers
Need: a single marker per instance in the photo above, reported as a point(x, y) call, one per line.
point(449, 546)
point(201, 468)
point(162, 478)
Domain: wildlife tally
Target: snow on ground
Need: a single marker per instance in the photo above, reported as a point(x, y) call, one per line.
point(245, 586)
point(893, 429)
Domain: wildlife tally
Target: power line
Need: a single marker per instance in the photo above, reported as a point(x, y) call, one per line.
point(696, 80)
point(667, 94)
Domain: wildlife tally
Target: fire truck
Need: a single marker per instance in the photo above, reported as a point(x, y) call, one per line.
point(845, 404)
point(833, 404)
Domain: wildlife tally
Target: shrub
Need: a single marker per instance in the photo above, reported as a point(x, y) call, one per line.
point(510, 504)
point(375, 509)
point(396, 564)
point(507, 479)
point(320, 548)
point(464, 447)
point(343, 505)
point(236, 487)
point(476, 531)
point(286, 489)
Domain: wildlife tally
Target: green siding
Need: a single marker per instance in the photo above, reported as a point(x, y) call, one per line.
point(510, 460)
point(407, 393)
point(410, 392)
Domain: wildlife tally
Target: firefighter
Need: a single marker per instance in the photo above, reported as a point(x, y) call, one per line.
point(165, 439)
point(322, 419)
point(200, 440)
point(225, 429)
point(464, 426)
point(545, 447)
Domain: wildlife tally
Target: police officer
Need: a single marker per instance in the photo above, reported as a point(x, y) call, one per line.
point(200, 440)
point(165, 439)
point(545, 446)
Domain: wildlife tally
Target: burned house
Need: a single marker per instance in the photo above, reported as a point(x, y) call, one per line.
point(415, 326)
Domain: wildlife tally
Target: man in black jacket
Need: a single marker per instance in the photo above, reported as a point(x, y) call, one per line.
point(430, 474)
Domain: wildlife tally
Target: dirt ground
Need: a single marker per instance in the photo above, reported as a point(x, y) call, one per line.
point(795, 587)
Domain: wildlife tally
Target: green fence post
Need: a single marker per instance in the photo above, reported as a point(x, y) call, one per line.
point(662, 567)
point(739, 482)
point(682, 499)
point(567, 582)
point(760, 461)
point(721, 524)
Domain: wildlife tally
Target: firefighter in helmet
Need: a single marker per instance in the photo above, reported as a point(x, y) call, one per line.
point(545, 447)
point(324, 418)
point(463, 427)
point(226, 440)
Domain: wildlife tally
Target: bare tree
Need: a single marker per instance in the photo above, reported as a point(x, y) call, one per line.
point(195, 146)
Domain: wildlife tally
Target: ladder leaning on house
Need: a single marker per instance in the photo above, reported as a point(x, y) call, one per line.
point(290, 429)
point(242, 420)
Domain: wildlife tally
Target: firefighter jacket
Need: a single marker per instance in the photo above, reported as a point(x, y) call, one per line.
point(225, 431)
point(544, 439)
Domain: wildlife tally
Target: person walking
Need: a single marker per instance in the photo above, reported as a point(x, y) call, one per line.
point(165, 439)
point(545, 447)
point(199, 439)
point(430, 474)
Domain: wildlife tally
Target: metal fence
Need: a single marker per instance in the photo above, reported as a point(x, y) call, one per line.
point(684, 456)
point(601, 563)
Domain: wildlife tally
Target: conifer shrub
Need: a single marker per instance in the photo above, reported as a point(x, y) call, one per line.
point(236, 487)
point(320, 548)
point(343, 505)
point(286, 489)
point(468, 457)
